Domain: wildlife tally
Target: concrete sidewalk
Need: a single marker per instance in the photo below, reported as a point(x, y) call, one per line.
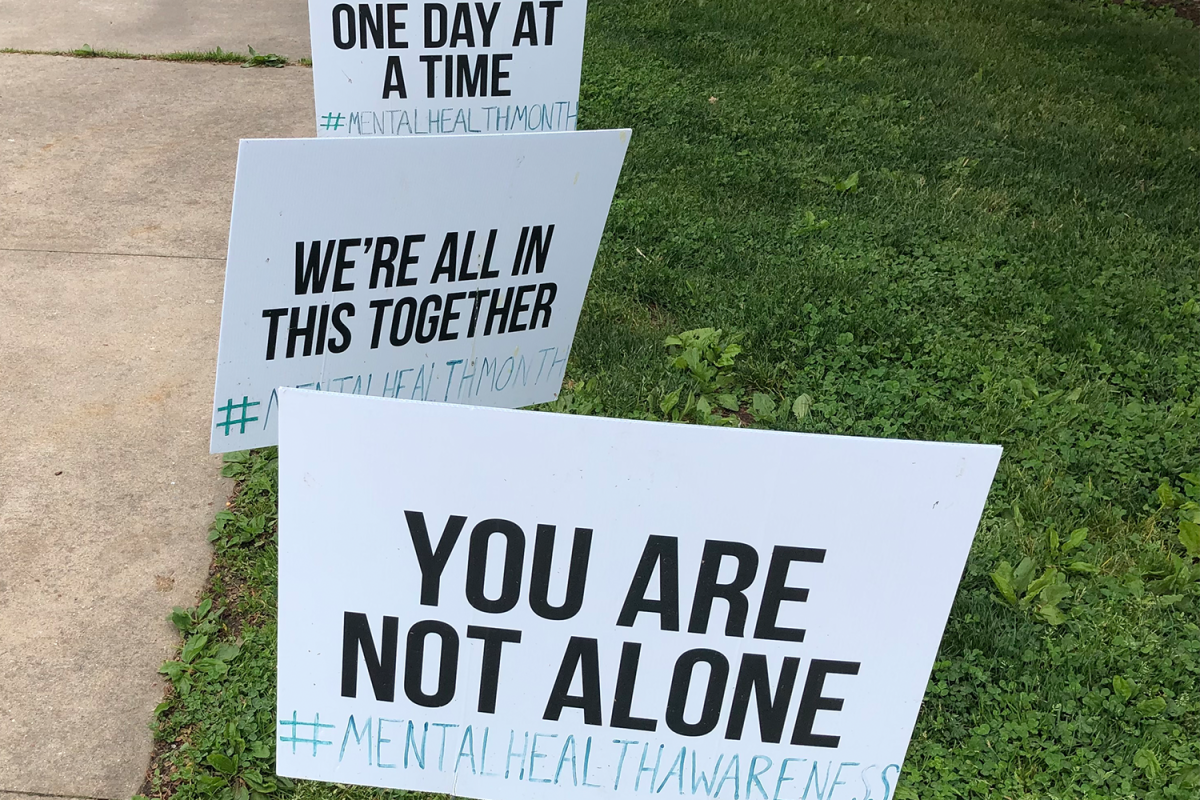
point(157, 26)
point(116, 179)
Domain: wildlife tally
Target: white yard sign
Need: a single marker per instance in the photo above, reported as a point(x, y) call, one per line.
point(402, 69)
point(447, 268)
point(512, 605)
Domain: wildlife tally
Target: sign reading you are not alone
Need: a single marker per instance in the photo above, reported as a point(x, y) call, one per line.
point(512, 605)
point(400, 69)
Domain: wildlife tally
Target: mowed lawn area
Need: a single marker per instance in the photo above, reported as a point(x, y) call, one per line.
point(927, 219)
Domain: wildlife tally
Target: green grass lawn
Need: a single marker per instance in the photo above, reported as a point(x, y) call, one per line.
point(939, 220)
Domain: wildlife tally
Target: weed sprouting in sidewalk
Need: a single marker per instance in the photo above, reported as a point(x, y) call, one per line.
point(214, 56)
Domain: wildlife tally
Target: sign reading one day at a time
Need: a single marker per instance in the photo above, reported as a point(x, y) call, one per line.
point(445, 268)
point(401, 69)
point(511, 605)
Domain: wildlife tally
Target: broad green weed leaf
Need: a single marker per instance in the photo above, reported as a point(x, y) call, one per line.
point(687, 338)
point(172, 669)
point(809, 224)
point(258, 783)
point(802, 406)
point(1049, 399)
point(847, 184)
point(212, 667)
point(227, 651)
point(669, 402)
point(233, 469)
point(192, 648)
point(1124, 688)
point(1051, 614)
point(1189, 535)
point(763, 407)
point(210, 785)
point(180, 619)
point(222, 763)
point(1151, 706)
point(1022, 575)
point(728, 402)
point(1148, 762)
point(1055, 593)
point(1075, 540)
point(1002, 576)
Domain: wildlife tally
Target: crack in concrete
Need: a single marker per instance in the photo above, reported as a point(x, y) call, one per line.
point(96, 253)
point(20, 793)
